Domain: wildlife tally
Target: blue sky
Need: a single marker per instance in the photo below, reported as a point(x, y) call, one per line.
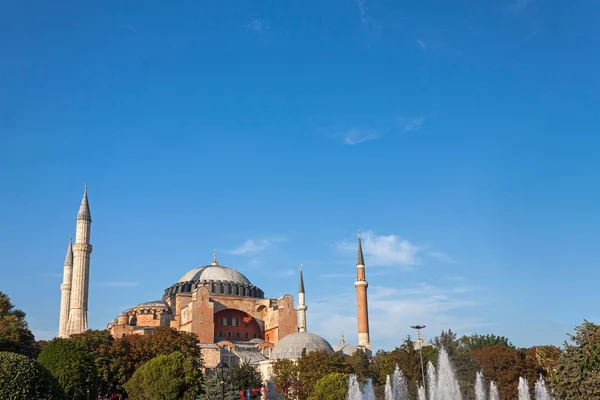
point(461, 137)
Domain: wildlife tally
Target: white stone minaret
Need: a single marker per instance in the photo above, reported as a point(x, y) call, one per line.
point(361, 286)
point(81, 270)
point(65, 289)
point(301, 304)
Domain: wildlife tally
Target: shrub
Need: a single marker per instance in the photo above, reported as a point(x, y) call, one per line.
point(333, 386)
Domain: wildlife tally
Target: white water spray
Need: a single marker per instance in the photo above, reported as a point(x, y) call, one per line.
point(479, 387)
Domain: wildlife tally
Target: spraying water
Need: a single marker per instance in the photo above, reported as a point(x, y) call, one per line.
point(354, 392)
point(431, 380)
point(399, 385)
point(541, 393)
point(368, 392)
point(422, 395)
point(388, 389)
point(523, 389)
point(494, 395)
point(447, 384)
point(479, 387)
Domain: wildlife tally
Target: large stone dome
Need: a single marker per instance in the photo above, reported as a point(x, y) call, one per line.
point(214, 272)
point(291, 346)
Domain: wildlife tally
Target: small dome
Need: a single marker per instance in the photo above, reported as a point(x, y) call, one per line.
point(122, 314)
point(215, 273)
point(344, 349)
point(291, 346)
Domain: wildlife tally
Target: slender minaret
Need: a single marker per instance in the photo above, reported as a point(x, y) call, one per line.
point(301, 304)
point(361, 299)
point(65, 292)
point(81, 270)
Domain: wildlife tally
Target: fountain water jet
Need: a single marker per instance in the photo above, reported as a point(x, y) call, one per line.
point(431, 380)
point(523, 389)
point(541, 393)
point(388, 389)
point(447, 384)
point(368, 392)
point(354, 392)
point(399, 385)
point(479, 387)
point(494, 395)
point(421, 392)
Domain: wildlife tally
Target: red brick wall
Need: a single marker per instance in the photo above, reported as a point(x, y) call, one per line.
point(224, 322)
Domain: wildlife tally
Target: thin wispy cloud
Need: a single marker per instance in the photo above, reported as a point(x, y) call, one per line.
point(257, 25)
point(441, 257)
point(287, 272)
point(362, 9)
point(392, 310)
point(422, 44)
point(254, 246)
point(385, 250)
point(520, 5)
point(118, 284)
point(413, 124)
point(357, 136)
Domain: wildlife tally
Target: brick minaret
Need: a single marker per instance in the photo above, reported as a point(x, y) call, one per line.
point(361, 299)
point(81, 270)
point(301, 304)
point(65, 289)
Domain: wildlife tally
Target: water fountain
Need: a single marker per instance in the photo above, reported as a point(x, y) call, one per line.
point(494, 395)
point(541, 393)
point(354, 392)
point(421, 393)
point(523, 389)
point(399, 385)
point(479, 387)
point(368, 392)
point(431, 380)
point(389, 395)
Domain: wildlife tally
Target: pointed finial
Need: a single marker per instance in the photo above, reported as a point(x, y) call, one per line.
point(84, 188)
point(359, 257)
point(84, 208)
point(215, 258)
point(343, 340)
point(71, 239)
point(301, 285)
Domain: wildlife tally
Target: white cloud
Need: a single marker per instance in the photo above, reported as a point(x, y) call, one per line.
point(413, 124)
point(422, 44)
point(357, 136)
point(257, 25)
point(441, 257)
point(385, 250)
point(393, 310)
point(118, 284)
point(253, 246)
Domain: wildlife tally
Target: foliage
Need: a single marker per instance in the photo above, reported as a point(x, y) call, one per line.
point(71, 364)
point(358, 364)
point(285, 376)
point(23, 378)
point(99, 345)
point(213, 387)
point(130, 352)
point(578, 369)
point(476, 342)
point(333, 386)
point(15, 335)
point(166, 377)
point(314, 366)
point(244, 377)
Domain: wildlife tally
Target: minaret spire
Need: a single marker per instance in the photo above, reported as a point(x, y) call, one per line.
point(361, 286)
point(81, 270)
point(65, 289)
point(301, 304)
point(215, 262)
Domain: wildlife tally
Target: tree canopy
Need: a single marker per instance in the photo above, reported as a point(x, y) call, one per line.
point(15, 335)
point(23, 378)
point(333, 386)
point(166, 377)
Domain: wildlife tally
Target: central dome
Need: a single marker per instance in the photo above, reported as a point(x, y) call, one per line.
point(214, 272)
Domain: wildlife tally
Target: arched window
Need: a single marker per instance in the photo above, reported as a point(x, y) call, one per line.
point(236, 290)
point(229, 334)
point(246, 335)
point(220, 333)
point(237, 335)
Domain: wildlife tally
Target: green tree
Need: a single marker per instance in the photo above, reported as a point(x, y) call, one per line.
point(475, 341)
point(314, 366)
point(213, 386)
point(464, 362)
point(578, 369)
point(333, 386)
point(23, 378)
point(244, 377)
point(15, 335)
point(166, 377)
point(285, 376)
point(99, 345)
point(71, 364)
point(359, 365)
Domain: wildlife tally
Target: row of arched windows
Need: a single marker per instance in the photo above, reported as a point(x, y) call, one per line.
point(238, 335)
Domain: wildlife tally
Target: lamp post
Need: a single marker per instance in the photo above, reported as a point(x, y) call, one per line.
point(88, 385)
point(420, 342)
point(221, 367)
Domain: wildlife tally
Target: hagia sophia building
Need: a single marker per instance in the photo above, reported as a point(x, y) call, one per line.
point(234, 321)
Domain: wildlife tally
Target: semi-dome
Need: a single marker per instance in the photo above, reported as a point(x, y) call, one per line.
point(214, 273)
point(292, 345)
point(152, 304)
point(345, 349)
